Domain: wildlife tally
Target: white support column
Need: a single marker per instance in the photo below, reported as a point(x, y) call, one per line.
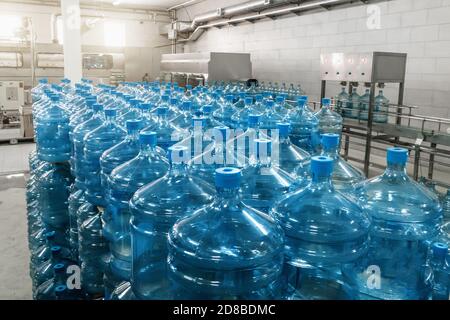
point(70, 10)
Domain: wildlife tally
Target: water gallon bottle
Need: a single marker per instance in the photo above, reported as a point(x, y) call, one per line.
point(52, 133)
point(446, 207)
point(240, 100)
point(325, 230)
point(345, 176)
point(304, 127)
point(78, 143)
point(329, 121)
point(240, 118)
point(224, 114)
point(381, 108)
point(121, 152)
point(133, 113)
point(93, 251)
point(95, 143)
point(44, 271)
point(184, 119)
point(364, 105)
point(46, 290)
point(226, 250)
point(263, 184)
point(37, 92)
point(155, 209)
point(168, 133)
point(404, 218)
point(439, 271)
point(148, 166)
point(269, 119)
point(281, 106)
point(259, 107)
point(76, 200)
point(353, 105)
point(290, 158)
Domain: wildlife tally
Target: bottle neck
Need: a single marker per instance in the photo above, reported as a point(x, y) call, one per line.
point(178, 169)
point(331, 152)
point(147, 150)
point(60, 276)
point(229, 194)
point(322, 181)
point(133, 135)
point(396, 169)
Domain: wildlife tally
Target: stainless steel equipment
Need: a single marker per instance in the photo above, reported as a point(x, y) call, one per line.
point(206, 66)
point(370, 68)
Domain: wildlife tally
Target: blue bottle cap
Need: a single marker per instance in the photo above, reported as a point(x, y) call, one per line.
point(228, 178)
point(283, 129)
point(270, 103)
point(253, 119)
point(148, 138)
point(301, 102)
point(263, 147)
point(110, 112)
point(242, 95)
point(229, 98)
point(304, 98)
point(55, 249)
point(161, 111)
point(259, 97)
point(176, 154)
point(279, 99)
point(133, 125)
point(439, 249)
point(50, 234)
point(60, 289)
point(397, 155)
point(174, 101)
point(186, 105)
point(58, 267)
point(207, 109)
point(43, 81)
point(321, 166)
point(54, 97)
point(330, 140)
point(248, 100)
point(165, 98)
point(145, 106)
point(326, 101)
point(189, 87)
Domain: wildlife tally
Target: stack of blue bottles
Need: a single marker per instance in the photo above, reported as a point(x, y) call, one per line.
point(148, 166)
point(226, 250)
point(95, 143)
point(325, 230)
point(155, 208)
point(226, 111)
point(263, 184)
point(437, 272)
point(52, 133)
point(44, 271)
point(405, 218)
point(46, 291)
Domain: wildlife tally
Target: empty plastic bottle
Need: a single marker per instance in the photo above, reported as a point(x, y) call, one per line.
point(438, 272)
point(52, 133)
point(168, 133)
point(381, 108)
point(121, 152)
point(155, 209)
point(269, 119)
point(353, 105)
point(78, 140)
point(124, 181)
point(46, 291)
point(95, 143)
point(76, 200)
point(290, 158)
point(404, 218)
point(446, 207)
point(44, 271)
point(224, 114)
point(240, 118)
point(226, 250)
point(345, 177)
point(263, 183)
point(364, 105)
point(304, 127)
point(329, 121)
point(325, 230)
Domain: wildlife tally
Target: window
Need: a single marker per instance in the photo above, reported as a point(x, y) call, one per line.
point(114, 34)
point(9, 26)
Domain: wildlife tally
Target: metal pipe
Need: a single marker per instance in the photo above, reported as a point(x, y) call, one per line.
point(184, 4)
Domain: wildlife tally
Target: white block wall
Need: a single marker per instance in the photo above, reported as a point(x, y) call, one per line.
point(288, 49)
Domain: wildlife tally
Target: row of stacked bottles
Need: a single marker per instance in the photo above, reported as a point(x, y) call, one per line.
point(153, 191)
point(354, 106)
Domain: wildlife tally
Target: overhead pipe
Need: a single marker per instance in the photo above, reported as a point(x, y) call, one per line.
point(291, 9)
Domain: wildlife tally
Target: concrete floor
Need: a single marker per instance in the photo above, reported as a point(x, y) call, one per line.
point(15, 282)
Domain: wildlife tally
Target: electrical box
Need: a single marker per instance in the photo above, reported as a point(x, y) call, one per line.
point(372, 67)
point(11, 95)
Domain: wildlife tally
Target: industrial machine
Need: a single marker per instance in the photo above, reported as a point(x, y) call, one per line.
point(199, 68)
point(426, 137)
point(11, 100)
